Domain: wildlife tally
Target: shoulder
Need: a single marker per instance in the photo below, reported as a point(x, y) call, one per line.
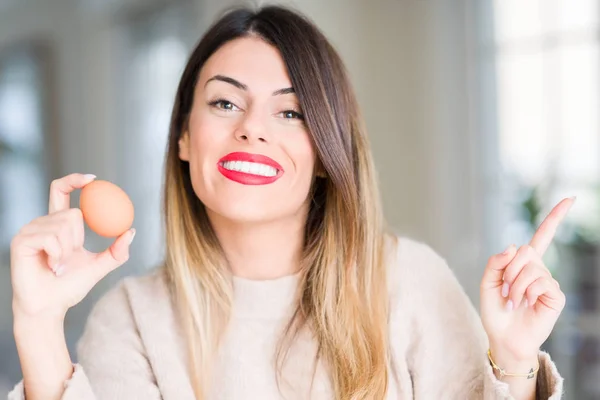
point(411, 262)
point(130, 338)
point(120, 318)
point(128, 289)
point(131, 298)
point(426, 297)
point(405, 250)
point(430, 314)
point(420, 279)
point(150, 288)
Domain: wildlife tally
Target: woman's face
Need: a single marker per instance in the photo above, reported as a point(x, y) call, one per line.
point(251, 156)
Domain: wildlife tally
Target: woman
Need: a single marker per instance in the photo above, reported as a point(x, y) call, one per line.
point(279, 279)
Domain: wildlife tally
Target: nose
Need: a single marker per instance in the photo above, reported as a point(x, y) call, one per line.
point(252, 128)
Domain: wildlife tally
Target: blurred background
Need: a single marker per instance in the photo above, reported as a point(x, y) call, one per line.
point(482, 115)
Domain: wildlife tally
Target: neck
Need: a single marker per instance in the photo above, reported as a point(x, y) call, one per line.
point(261, 251)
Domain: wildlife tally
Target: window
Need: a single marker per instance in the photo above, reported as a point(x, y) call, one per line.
point(22, 141)
point(545, 129)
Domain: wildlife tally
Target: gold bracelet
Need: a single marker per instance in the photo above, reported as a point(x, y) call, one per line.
point(503, 373)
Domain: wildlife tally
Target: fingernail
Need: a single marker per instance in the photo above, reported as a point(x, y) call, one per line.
point(574, 198)
point(509, 305)
point(59, 270)
point(132, 236)
point(505, 252)
point(526, 303)
point(505, 288)
point(90, 177)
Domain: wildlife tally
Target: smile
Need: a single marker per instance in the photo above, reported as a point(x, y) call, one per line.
point(249, 169)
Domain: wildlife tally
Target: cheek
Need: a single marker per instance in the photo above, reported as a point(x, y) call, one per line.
point(206, 139)
point(303, 156)
point(306, 152)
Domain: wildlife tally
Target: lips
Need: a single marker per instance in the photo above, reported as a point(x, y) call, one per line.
point(250, 169)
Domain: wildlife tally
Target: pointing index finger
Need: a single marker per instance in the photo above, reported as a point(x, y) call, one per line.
point(546, 231)
point(60, 190)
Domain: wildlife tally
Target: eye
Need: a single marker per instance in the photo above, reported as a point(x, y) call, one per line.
point(291, 114)
point(224, 105)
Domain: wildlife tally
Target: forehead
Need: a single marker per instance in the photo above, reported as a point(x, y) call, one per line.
point(249, 60)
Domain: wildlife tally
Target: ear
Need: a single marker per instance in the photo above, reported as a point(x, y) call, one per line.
point(184, 146)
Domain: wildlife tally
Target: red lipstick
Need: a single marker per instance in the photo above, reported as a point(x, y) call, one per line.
point(248, 178)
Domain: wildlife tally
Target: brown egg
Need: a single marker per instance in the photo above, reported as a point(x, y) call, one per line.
point(106, 208)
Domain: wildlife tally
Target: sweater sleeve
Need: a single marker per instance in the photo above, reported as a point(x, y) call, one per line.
point(111, 361)
point(447, 349)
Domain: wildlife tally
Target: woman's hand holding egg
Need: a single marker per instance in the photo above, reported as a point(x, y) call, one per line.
point(51, 271)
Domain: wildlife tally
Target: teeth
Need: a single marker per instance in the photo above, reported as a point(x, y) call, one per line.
point(250, 168)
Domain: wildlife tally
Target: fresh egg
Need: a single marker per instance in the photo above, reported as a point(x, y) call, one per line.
point(106, 208)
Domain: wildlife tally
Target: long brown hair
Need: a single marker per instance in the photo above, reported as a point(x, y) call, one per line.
point(342, 296)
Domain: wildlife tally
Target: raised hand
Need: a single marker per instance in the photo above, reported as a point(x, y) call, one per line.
point(51, 271)
point(520, 300)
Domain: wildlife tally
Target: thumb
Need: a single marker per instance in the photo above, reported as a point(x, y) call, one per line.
point(494, 271)
point(114, 256)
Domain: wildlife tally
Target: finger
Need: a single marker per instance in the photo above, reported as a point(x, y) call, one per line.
point(545, 292)
point(547, 229)
point(60, 190)
point(47, 243)
point(494, 270)
point(71, 218)
point(529, 274)
point(525, 255)
point(75, 222)
point(67, 225)
point(115, 256)
point(64, 242)
point(71, 236)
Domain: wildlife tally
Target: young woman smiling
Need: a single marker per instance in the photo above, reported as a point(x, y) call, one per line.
point(280, 280)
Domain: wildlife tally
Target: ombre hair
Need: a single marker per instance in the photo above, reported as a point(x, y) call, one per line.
point(342, 294)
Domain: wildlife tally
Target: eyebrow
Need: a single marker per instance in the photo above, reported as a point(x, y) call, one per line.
point(241, 86)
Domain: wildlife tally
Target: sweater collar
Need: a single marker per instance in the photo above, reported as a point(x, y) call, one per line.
point(265, 299)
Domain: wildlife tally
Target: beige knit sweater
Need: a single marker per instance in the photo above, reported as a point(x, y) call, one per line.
point(132, 347)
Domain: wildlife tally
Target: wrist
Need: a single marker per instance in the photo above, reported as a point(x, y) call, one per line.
point(43, 354)
point(510, 363)
point(22, 315)
point(28, 325)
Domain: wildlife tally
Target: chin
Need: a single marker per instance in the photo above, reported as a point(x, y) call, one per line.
point(243, 212)
point(248, 205)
